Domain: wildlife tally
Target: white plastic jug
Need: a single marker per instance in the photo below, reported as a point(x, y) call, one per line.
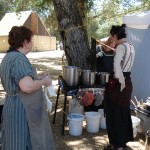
point(102, 119)
point(135, 123)
point(75, 106)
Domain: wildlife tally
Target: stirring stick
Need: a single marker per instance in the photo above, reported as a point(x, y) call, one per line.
point(141, 101)
point(105, 45)
point(136, 100)
point(133, 104)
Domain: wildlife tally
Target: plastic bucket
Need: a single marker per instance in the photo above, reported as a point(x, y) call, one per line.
point(135, 123)
point(102, 119)
point(92, 121)
point(75, 124)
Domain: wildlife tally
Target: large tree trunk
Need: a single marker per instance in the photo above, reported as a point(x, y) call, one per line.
point(74, 35)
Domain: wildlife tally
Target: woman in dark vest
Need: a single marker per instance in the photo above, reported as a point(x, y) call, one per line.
point(105, 56)
point(104, 63)
point(118, 92)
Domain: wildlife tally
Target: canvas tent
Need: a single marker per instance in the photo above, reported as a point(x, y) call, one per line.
point(42, 39)
point(138, 33)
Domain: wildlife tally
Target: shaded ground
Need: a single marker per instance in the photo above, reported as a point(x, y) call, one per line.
point(51, 62)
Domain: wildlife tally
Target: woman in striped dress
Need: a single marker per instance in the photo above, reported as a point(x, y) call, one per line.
point(25, 121)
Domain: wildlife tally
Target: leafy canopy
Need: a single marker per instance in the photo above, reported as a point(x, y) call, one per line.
point(99, 14)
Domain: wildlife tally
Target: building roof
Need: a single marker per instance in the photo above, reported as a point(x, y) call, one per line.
point(13, 19)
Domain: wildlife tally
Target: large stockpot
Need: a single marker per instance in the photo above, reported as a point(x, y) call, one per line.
point(71, 75)
point(88, 77)
point(103, 77)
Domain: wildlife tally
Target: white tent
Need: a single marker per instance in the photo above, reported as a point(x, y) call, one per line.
point(139, 20)
point(138, 33)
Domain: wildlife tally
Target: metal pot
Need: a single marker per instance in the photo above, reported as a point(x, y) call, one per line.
point(88, 77)
point(103, 76)
point(71, 75)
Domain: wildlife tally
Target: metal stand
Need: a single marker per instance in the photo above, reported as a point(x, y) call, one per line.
point(67, 91)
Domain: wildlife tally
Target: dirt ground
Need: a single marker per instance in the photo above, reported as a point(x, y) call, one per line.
point(52, 62)
point(87, 141)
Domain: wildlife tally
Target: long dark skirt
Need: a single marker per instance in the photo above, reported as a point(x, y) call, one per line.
point(118, 117)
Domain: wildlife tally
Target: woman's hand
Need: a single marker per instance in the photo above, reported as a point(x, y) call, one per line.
point(115, 77)
point(99, 54)
point(47, 81)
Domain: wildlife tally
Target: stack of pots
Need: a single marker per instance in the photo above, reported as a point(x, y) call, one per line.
point(72, 74)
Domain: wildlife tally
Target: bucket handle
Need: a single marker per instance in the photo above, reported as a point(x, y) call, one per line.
point(64, 112)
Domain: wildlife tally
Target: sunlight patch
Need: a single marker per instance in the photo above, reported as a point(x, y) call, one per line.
point(72, 143)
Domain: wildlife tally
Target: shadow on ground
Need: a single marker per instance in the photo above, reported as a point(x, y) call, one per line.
point(87, 141)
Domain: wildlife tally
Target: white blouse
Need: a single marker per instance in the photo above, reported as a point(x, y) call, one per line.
point(123, 61)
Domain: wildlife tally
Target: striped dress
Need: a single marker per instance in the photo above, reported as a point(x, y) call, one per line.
point(15, 131)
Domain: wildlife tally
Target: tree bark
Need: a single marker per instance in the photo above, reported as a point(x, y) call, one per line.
point(82, 11)
point(74, 35)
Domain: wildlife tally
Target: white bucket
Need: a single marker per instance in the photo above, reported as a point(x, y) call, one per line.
point(102, 119)
point(135, 123)
point(92, 121)
point(75, 124)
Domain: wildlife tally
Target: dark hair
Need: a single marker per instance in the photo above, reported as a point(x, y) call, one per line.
point(119, 31)
point(17, 36)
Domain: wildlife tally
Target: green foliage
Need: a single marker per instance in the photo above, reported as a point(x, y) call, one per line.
point(89, 4)
point(3, 8)
point(100, 14)
point(103, 18)
point(110, 12)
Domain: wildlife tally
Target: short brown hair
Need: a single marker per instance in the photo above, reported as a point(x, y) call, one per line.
point(17, 35)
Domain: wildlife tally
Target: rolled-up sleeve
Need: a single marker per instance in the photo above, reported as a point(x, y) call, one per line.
point(21, 68)
point(118, 59)
point(118, 65)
